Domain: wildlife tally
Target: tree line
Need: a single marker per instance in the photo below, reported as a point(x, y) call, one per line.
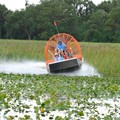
point(81, 18)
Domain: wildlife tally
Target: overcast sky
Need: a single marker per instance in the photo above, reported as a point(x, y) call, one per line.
point(19, 4)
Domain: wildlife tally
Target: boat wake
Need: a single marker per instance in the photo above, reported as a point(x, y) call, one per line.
point(35, 67)
point(25, 67)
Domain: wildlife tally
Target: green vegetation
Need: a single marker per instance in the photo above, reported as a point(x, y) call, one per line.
point(35, 97)
point(80, 18)
point(39, 95)
point(22, 50)
point(104, 57)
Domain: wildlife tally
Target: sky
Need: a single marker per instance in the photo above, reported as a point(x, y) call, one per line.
point(20, 4)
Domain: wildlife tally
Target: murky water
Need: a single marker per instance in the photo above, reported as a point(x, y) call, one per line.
point(35, 67)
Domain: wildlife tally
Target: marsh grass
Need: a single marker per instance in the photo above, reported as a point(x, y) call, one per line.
point(21, 50)
point(58, 91)
point(104, 57)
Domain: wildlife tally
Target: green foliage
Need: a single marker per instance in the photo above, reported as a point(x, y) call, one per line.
point(2, 96)
point(81, 113)
point(3, 11)
point(15, 50)
point(80, 18)
point(65, 88)
point(104, 57)
point(58, 118)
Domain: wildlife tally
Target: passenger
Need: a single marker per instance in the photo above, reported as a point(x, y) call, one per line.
point(61, 57)
point(61, 46)
point(70, 53)
point(56, 57)
point(65, 55)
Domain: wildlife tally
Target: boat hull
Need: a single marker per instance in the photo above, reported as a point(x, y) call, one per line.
point(64, 65)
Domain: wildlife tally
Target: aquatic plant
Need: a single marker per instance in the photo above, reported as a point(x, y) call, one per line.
point(59, 97)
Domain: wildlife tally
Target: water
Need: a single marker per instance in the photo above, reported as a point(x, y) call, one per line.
point(35, 67)
point(25, 67)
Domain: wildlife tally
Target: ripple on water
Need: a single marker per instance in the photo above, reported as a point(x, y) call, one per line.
point(35, 67)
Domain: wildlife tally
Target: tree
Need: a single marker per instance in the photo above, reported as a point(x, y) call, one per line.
point(80, 18)
point(95, 26)
point(13, 25)
point(3, 11)
point(28, 21)
point(106, 6)
point(8, 24)
point(113, 23)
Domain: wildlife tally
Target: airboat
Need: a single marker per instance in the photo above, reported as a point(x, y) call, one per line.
point(72, 46)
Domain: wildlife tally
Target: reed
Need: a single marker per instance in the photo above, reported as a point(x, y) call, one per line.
point(104, 57)
point(22, 50)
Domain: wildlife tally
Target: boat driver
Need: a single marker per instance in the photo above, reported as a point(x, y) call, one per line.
point(61, 46)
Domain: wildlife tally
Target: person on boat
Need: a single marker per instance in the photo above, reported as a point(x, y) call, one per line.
point(61, 56)
point(58, 56)
point(61, 49)
point(60, 46)
point(70, 53)
point(65, 55)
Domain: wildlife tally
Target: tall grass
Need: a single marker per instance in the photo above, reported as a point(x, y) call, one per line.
point(103, 56)
point(21, 50)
